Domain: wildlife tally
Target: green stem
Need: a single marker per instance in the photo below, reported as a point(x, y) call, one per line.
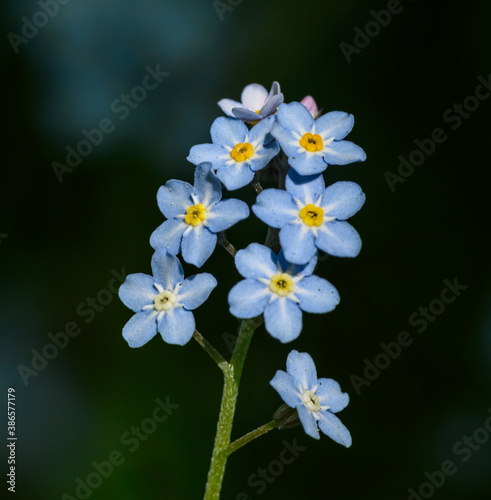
point(250, 436)
point(212, 352)
point(232, 373)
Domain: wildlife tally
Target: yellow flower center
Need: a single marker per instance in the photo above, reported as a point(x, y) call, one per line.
point(281, 284)
point(164, 301)
point(311, 142)
point(312, 215)
point(195, 215)
point(242, 152)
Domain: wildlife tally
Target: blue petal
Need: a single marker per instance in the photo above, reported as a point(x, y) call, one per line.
point(296, 269)
point(248, 298)
point(259, 131)
point(174, 198)
point(137, 291)
point(338, 238)
point(301, 367)
point(295, 117)
point(297, 242)
point(274, 90)
point(256, 261)
point(264, 156)
point(331, 426)
point(308, 421)
point(207, 187)
point(169, 235)
point(195, 290)
point(335, 124)
point(213, 153)
point(197, 245)
point(342, 200)
point(235, 175)
point(166, 269)
point(272, 105)
point(316, 295)
point(245, 114)
point(286, 387)
point(307, 163)
point(226, 105)
point(275, 207)
point(343, 152)
point(329, 393)
point(289, 144)
point(307, 189)
point(177, 326)
point(283, 319)
point(228, 131)
point(141, 328)
point(225, 214)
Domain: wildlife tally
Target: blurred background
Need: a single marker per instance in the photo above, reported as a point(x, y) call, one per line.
point(65, 238)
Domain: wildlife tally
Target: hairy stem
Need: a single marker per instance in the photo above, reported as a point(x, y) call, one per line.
point(232, 374)
point(222, 240)
point(250, 436)
point(213, 353)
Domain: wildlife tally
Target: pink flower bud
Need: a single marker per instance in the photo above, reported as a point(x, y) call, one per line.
point(309, 103)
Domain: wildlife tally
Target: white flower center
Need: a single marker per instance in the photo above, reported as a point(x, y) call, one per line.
point(164, 301)
point(311, 401)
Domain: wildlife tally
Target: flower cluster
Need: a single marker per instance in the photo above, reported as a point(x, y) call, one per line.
point(259, 138)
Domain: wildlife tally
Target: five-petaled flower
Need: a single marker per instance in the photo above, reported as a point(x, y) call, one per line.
point(256, 103)
point(195, 215)
point(312, 216)
point(280, 290)
point(311, 145)
point(237, 152)
point(163, 302)
point(316, 400)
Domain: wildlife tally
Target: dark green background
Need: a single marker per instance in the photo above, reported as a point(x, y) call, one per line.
point(64, 239)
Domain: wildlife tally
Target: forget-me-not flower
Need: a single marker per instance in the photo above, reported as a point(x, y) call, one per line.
point(280, 290)
point(163, 302)
point(195, 215)
point(237, 152)
point(256, 103)
point(316, 400)
point(311, 144)
point(311, 216)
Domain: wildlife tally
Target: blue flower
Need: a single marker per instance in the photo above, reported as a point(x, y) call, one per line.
point(163, 302)
point(256, 103)
point(280, 290)
point(312, 216)
point(237, 152)
point(316, 400)
point(313, 144)
point(195, 215)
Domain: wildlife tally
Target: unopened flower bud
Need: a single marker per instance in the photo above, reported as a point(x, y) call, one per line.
point(286, 417)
